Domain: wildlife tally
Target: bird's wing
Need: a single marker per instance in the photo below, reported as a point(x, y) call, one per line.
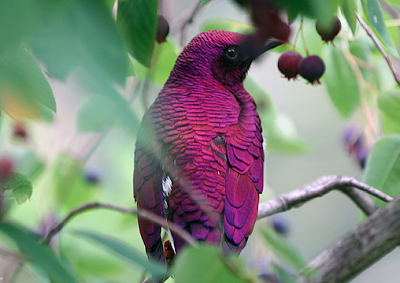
point(148, 186)
point(244, 180)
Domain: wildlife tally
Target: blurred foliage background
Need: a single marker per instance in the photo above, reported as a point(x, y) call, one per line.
point(74, 84)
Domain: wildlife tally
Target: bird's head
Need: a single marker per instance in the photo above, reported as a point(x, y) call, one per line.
point(220, 55)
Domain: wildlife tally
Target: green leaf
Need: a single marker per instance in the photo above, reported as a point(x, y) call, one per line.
point(163, 61)
point(389, 103)
point(20, 187)
point(349, 9)
point(202, 2)
point(226, 24)
point(18, 19)
point(38, 254)
point(390, 126)
point(383, 166)
point(83, 35)
point(317, 9)
point(373, 11)
point(283, 250)
point(17, 66)
point(126, 251)
point(341, 82)
point(279, 130)
point(205, 264)
point(69, 186)
point(137, 20)
point(96, 114)
point(394, 2)
point(360, 50)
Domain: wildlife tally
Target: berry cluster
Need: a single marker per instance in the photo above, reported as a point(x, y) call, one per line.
point(291, 63)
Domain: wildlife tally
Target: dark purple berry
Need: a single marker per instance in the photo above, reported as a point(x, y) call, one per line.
point(162, 29)
point(288, 64)
point(280, 224)
point(329, 31)
point(362, 157)
point(6, 168)
point(353, 138)
point(92, 176)
point(311, 68)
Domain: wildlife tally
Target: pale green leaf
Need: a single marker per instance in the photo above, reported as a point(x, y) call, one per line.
point(163, 61)
point(202, 2)
point(138, 21)
point(204, 264)
point(20, 187)
point(69, 186)
point(82, 35)
point(383, 165)
point(349, 9)
point(228, 25)
point(17, 66)
point(389, 103)
point(341, 82)
point(283, 249)
point(38, 254)
point(373, 11)
point(96, 114)
point(124, 250)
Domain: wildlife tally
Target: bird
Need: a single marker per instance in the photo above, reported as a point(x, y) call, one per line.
point(199, 154)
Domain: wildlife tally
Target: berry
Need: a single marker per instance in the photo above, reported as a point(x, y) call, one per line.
point(288, 64)
point(6, 168)
point(311, 68)
point(353, 138)
point(19, 131)
point(162, 29)
point(330, 31)
point(280, 224)
point(362, 157)
point(92, 176)
point(1, 205)
point(269, 22)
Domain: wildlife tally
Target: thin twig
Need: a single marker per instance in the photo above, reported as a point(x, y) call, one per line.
point(319, 188)
point(140, 212)
point(379, 46)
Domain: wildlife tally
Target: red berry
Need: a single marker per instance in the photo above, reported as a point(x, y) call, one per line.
point(19, 131)
point(288, 64)
point(162, 29)
point(311, 68)
point(329, 31)
point(6, 168)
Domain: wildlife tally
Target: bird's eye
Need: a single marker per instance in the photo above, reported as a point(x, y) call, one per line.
point(231, 53)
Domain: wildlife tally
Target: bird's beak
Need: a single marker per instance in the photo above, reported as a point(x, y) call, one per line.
point(272, 43)
point(251, 48)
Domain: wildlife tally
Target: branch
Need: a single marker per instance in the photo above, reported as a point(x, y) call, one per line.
point(348, 185)
point(358, 249)
point(379, 46)
point(142, 213)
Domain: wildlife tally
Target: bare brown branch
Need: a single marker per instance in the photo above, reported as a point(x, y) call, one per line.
point(142, 213)
point(358, 249)
point(320, 187)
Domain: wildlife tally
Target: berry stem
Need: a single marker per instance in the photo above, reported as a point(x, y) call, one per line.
point(296, 37)
point(302, 36)
point(380, 48)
